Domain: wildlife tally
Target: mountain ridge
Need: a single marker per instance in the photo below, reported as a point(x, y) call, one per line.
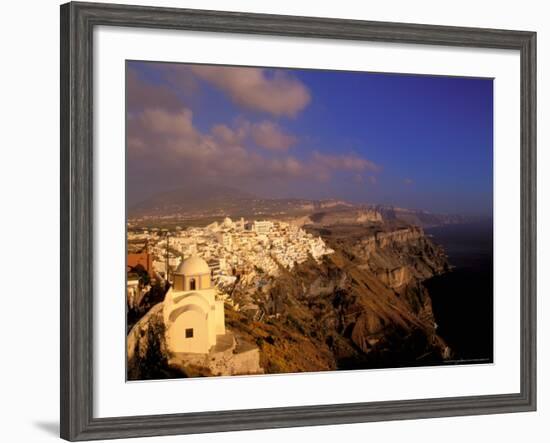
point(232, 201)
point(209, 200)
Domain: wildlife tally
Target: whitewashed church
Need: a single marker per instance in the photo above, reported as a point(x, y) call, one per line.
point(193, 317)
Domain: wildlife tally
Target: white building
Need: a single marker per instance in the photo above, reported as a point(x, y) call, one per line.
point(225, 239)
point(240, 224)
point(193, 316)
point(227, 222)
point(132, 291)
point(262, 227)
point(213, 227)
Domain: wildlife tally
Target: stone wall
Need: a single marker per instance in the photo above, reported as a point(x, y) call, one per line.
point(226, 358)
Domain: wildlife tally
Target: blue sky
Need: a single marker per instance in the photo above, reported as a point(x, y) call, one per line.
point(412, 141)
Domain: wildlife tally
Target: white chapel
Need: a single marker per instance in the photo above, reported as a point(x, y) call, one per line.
point(193, 317)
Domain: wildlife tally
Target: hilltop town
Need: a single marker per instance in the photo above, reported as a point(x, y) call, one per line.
point(244, 249)
point(183, 283)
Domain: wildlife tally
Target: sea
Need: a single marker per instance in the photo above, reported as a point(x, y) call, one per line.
point(462, 298)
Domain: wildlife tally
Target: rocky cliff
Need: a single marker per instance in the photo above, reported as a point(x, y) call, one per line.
point(362, 307)
point(345, 216)
point(399, 256)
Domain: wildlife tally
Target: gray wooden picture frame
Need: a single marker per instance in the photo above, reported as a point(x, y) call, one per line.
point(77, 24)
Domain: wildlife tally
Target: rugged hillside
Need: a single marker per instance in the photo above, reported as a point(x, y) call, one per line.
point(364, 306)
point(398, 257)
point(146, 349)
point(196, 198)
point(345, 216)
point(357, 214)
point(205, 200)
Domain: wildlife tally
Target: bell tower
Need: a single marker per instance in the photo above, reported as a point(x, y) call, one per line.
point(192, 274)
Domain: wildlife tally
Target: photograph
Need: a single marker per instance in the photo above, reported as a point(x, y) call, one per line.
point(275, 221)
point(304, 220)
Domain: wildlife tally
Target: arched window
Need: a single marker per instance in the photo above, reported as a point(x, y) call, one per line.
point(192, 284)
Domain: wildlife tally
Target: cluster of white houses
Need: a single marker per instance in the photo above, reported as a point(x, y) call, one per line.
point(232, 247)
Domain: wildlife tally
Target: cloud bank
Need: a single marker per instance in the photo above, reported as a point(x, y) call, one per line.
point(166, 148)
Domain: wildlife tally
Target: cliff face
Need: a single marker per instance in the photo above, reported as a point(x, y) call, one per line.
point(147, 357)
point(399, 257)
point(340, 216)
point(363, 307)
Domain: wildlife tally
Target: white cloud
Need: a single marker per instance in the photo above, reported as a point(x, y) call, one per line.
point(279, 94)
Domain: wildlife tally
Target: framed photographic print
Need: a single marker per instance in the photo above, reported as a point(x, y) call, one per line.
point(272, 221)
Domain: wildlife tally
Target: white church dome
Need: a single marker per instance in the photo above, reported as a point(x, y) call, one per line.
point(193, 266)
